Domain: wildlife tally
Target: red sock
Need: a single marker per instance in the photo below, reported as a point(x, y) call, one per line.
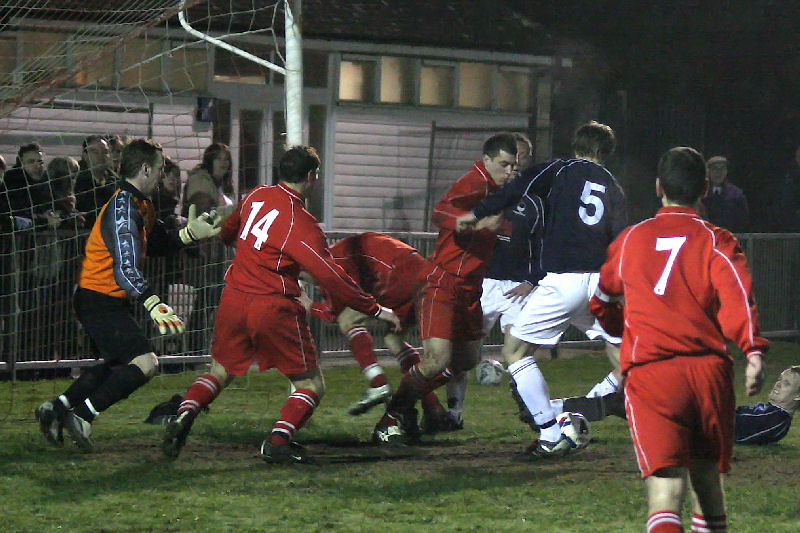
point(712, 524)
point(202, 392)
point(362, 348)
point(296, 411)
point(407, 358)
point(414, 386)
point(664, 522)
point(430, 403)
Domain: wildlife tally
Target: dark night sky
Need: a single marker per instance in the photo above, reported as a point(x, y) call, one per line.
point(722, 76)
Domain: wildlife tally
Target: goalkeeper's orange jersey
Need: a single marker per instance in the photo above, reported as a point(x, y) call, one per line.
point(118, 244)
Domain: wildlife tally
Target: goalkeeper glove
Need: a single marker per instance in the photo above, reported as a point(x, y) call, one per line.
point(163, 316)
point(203, 227)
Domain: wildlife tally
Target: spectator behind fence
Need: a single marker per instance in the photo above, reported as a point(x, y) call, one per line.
point(788, 198)
point(725, 205)
point(115, 146)
point(27, 193)
point(62, 172)
point(209, 183)
point(96, 182)
point(2, 167)
point(167, 198)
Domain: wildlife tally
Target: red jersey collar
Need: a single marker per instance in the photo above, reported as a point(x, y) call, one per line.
point(481, 168)
point(291, 192)
point(677, 210)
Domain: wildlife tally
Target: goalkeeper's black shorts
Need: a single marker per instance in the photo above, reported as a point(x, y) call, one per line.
point(115, 334)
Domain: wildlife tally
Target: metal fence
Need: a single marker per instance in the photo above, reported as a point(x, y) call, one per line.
point(38, 329)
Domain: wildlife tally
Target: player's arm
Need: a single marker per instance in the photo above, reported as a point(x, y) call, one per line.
point(459, 200)
point(161, 241)
point(121, 228)
point(306, 244)
point(737, 313)
point(756, 424)
point(607, 303)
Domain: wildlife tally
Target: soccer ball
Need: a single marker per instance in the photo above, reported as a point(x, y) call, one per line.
point(575, 428)
point(489, 372)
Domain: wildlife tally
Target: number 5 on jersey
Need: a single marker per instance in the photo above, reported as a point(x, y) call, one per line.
point(673, 244)
point(261, 228)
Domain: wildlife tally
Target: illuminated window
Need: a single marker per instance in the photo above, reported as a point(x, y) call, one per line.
point(436, 85)
point(99, 67)
point(475, 85)
point(141, 64)
point(513, 90)
point(44, 55)
point(357, 81)
point(397, 80)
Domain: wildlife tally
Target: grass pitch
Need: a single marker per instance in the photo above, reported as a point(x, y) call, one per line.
point(470, 480)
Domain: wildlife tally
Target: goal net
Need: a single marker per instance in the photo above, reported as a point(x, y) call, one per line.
point(73, 71)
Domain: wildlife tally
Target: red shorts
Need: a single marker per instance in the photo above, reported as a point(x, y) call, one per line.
point(449, 312)
point(680, 409)
point(269, 329)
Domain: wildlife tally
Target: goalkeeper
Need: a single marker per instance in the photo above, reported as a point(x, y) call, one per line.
point(110, 282)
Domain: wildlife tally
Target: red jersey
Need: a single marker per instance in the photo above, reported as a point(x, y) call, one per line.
point(686, 288)
point(275, 239)
point(465, 255)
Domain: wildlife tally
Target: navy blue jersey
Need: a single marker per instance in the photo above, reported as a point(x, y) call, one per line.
point(584, 211)
point(761, 423)
point(516, 252)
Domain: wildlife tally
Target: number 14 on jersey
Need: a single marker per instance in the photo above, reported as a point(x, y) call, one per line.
point(261, 228)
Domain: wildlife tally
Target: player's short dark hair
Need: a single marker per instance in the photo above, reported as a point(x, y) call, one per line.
point(502, 141)
point(296, 163)
point(25, 148)
point(682, 172)
point(135, 154)
point(594, 140)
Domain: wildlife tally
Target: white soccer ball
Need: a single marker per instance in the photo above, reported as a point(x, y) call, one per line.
point(489, 372)
point(575, 428)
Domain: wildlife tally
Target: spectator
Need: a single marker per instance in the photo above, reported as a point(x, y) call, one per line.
point(166, 201)
point(62, 172)
point(725, 204)
point(27, 193)
point(208, 182)
point(96, 183)
point(788, 216)
point(115, 146)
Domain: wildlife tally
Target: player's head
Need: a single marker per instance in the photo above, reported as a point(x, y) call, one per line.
point(217, 162)
point(525, 153)
point(786, 392)
point(500, 156)
point(594, 141)
point(717, 169)
point(681, 176)
point(31, 159)
point(142, 162)
point(299, 164)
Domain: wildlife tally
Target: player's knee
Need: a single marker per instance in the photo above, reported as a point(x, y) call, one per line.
point(147, 363)
point(220, 374)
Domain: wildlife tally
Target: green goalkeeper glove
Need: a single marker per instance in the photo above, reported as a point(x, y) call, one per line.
point(203, 227)
point(163, 316)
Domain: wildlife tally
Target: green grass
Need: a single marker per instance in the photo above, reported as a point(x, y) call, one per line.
point(471, 480)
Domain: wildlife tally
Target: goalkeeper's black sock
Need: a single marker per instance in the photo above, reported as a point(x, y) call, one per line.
point(122, 382)
point(591, 408)
point(87, 383)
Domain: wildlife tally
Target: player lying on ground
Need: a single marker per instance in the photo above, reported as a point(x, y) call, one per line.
point(393, 272)
point(260, 318)
point(686, 290)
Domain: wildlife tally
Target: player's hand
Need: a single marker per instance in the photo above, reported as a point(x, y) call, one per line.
point(387, 315)
point(197, 228)
point(519, 293)
point(754, 373)
point(53, 219)
point(492, 223)
point(465, 222)
point(163, 315)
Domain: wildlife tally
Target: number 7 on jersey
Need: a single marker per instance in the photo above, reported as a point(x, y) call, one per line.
point(259, 229)
point(673, 244)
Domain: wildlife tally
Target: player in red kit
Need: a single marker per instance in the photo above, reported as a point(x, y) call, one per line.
point(450, 319)
point(260, 318)
point(686, 290)
point(394, 273)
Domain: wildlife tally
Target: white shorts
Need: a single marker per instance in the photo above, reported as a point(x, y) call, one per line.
point(560, 300)
point(495, 305)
